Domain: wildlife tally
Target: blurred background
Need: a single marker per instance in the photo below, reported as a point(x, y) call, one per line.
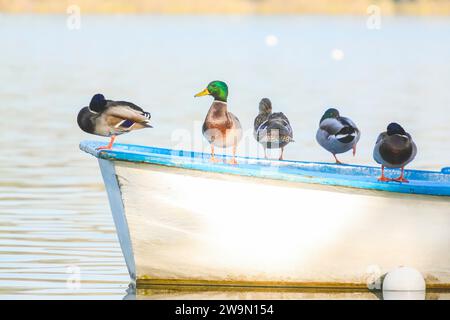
point(356, 7)
point(376, 61)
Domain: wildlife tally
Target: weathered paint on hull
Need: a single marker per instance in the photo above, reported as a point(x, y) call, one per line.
point(188, 227)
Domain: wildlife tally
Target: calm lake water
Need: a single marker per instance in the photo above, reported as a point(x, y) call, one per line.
point(55, 222)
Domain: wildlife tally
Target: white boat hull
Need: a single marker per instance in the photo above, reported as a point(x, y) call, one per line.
point(192, 227)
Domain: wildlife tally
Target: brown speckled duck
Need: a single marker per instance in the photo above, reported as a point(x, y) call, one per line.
point(221, 128)
point(272, 130)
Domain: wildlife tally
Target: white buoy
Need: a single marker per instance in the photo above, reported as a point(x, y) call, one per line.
point(404, 283)
point(403, 295)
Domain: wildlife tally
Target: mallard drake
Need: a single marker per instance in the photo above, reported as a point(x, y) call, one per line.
point(337, 134)
point(394, 148)
point(272, 130)
point(221, 128)
point(109, 118)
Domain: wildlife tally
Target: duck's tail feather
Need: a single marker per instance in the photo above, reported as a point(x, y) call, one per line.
point(147, 115)
point(147, 122)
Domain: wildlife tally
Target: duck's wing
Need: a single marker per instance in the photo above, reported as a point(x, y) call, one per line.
point(341, 129)
point(347, 122)
point(124, 103)
point(233, 121)
point(279, 116)
point(337, 135)
point(125, 115)
point(331, 126)
point(259, 124)
point(349, 131)
point(280, 122)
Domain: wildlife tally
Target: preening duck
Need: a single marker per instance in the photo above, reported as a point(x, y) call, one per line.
point(337, 134)
point(394, 148)
point(272, 130)
point(221, 128)
point(109, 118)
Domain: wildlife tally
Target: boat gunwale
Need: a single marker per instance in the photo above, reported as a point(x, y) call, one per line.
point(145, 281)
point(362, 177)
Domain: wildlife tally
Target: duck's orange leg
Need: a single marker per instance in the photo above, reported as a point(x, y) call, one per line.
point(233, 160)
point(109, 146)
point(337, 161)
point(213, 158)
point(354, 149)
point(281, 155)
point(383, 178)
point(402, 177)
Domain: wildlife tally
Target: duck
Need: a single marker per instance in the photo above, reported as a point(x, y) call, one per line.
point(337, 134)
point(272, 130)
point(221, 128)
point(394, 148)
point(110, 118)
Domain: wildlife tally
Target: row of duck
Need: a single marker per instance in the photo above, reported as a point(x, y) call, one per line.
point(394, 148)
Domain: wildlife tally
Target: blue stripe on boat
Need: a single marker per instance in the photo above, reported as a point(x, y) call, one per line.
point(355, 176)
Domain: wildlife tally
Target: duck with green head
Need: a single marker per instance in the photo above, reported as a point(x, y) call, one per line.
point(337, 134)
point(221, 128)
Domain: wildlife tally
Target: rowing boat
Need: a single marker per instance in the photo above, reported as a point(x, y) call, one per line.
point(182, 220)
